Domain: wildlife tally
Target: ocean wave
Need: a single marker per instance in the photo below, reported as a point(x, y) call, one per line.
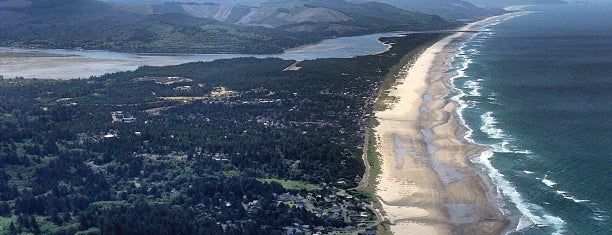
point(474, 87)
point(464, 65)
point(472, 51)
point(493, 100)
point(532, 214)
point(598, 214)
point(567, 195)
point(548, 182)
point(506, 143)
point(524, 152)
point(462, 62)
point(490, 128)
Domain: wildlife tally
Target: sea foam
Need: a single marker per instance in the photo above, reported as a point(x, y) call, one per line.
point(489, 127)
point(532, 214)
point(548, 182)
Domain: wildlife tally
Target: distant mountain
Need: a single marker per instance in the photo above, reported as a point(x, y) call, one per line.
point(506, 3)
point(452, 10)
point(196, 27)
point(90, 24)
point(237, 2)
point(325, 16)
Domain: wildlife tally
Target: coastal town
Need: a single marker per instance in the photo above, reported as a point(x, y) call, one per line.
point(304, 117)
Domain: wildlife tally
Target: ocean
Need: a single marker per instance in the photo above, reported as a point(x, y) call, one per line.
point(537, 91)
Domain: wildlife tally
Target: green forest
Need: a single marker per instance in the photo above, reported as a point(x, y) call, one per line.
point(236, 146)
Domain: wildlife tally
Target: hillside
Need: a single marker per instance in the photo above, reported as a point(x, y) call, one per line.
point(241, 2)
point(505, 3)
point(91, 24)
point(332, 17)
point(196, 27)
point(452, 10)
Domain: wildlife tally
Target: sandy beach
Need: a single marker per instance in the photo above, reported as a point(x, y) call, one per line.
point(427, 185)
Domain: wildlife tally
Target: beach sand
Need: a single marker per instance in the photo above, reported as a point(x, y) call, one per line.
point(427, 185)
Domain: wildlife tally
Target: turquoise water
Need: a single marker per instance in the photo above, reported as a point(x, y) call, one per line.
point(537, 90)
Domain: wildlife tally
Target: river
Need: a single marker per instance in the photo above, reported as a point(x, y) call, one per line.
point(73, 64)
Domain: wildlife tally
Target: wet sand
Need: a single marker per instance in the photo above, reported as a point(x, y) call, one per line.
point(427, 185)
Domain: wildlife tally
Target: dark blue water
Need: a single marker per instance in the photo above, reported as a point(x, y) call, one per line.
point(537, 89)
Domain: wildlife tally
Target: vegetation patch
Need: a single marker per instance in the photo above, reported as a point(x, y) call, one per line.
point(293, 185)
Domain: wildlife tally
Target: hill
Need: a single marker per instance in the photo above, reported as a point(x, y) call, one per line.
point(506, 3)
point(241, 2)
point(331, 18)
point(452, 10)
point(196, 27)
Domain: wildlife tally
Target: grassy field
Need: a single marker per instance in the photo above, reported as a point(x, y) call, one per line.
point(293, 185)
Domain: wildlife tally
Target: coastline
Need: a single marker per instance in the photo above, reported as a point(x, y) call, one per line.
point(427, 184)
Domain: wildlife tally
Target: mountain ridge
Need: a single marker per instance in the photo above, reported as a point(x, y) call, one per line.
point(506, 3)
point(452, 10)
point(197, 27)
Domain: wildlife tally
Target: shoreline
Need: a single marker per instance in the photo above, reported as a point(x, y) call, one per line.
point(428, 184)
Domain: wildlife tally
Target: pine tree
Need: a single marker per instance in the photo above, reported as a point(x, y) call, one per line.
point(12, 229)
point(34, 225)
point(5, 209)
point(22, 221)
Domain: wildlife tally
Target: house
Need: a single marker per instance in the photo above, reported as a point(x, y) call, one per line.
point(110, 136)
point(220, 157)
point(163, 80)
point(95, 168)
point(120, 116)
point(222, 91)
point(183, 88)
